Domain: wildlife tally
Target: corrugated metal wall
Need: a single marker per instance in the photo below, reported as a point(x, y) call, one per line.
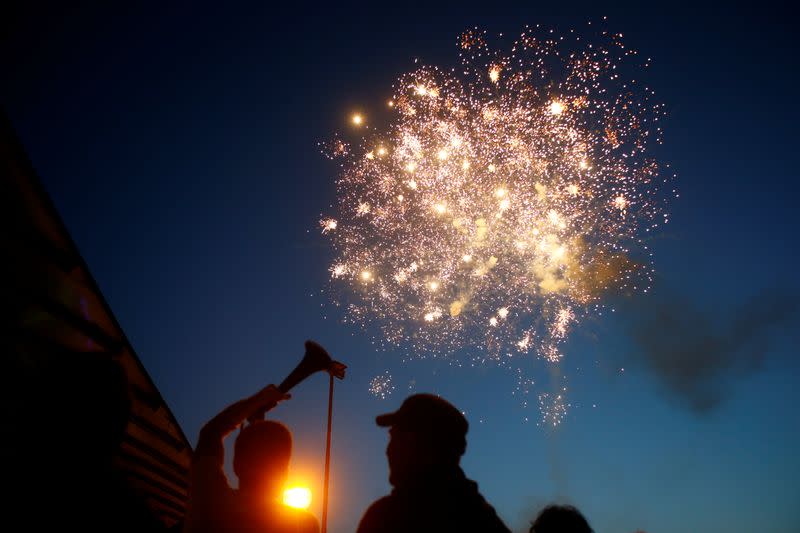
point(80, 410)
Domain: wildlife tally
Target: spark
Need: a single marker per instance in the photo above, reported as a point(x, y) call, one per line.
point(357, 119)
point(563, 318)
point(553, 408)
point(556, 107)
point(363, 209)
point(328, 224)
point(337, 271)
point(381, 386)
point(524, 342)
point(433, 315)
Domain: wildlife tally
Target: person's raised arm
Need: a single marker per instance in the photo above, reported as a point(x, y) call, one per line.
point(216, 429)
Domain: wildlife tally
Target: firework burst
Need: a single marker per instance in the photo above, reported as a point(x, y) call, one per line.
point(381, 386)
point(502, 199)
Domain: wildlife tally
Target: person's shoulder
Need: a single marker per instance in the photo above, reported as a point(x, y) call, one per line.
point(308, 522)
point(296, 520)
point(381, 505)
point(490, 518)
point(377, 515)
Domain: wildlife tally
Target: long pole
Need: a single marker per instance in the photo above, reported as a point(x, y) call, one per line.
point(327, 460)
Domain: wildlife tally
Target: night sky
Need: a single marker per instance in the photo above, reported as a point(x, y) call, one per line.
point(179, 144)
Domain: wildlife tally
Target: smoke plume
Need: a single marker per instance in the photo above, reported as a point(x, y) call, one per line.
point(696, 354)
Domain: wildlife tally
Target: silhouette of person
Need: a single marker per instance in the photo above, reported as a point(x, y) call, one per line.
point(427, 438)
point(560, 519)
point(67, 419)
point(261, 461)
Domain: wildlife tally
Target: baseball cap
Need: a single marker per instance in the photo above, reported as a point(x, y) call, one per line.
point(427, 413)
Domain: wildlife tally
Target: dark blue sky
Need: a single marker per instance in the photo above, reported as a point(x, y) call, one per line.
point(180, 146)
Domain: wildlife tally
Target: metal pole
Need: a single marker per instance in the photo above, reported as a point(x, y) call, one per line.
point(327, 460)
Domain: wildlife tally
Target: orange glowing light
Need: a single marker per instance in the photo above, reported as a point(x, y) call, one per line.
point(297, 497)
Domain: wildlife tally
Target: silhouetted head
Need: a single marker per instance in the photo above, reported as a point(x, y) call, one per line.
point(427, 434)
point(91, 393)
point(560, 519)
point(261, 457)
